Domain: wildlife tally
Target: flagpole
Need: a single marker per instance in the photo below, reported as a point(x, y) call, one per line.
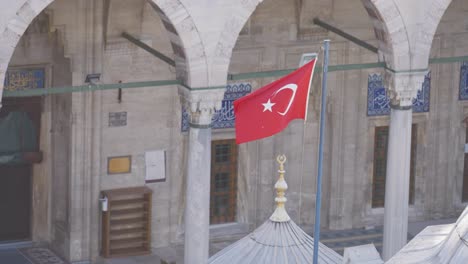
point(318, 199)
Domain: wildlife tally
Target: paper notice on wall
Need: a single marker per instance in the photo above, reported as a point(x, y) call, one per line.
point(155, 165)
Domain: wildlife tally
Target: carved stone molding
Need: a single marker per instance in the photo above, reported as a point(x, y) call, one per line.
point(170, 7)
point(13, 28)
point(404, 87)
point(250, 4)
point(201, 104)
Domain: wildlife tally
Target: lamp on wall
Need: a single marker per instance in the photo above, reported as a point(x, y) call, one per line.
point(93, 78)
point(306, 57)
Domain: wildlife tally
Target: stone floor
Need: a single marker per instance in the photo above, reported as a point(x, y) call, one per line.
point(29, 255)
point(13, 256)
point(24, 253)
point(149, 259)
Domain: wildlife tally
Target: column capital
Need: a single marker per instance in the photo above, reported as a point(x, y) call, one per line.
point(403, 87)
point(201, 104)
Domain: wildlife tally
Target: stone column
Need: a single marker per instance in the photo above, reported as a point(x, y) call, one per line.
point(201, 105)
point(403, 88)
point(82, 243)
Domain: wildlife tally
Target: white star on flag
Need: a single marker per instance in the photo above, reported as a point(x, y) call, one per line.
point(268, 105)
point(270, 109)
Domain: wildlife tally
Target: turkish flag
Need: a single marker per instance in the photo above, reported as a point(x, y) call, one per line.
point(269, 109)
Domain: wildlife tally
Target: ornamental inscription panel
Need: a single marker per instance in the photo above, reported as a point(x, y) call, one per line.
point(24, 79)
point(378, 102)
point(223, 118)
point(117, 119)
point(463, 90)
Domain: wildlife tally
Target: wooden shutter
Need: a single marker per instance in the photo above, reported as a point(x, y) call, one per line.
point(380, 166)
point(465, 172)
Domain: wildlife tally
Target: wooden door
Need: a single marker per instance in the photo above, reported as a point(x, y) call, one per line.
point(16, 179)
point(15, 202)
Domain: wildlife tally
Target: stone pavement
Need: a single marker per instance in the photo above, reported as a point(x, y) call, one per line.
point(13, 256)
point(10, 253)
point(148, 259)
point(29, 255)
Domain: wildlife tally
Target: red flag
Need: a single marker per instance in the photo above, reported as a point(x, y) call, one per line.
point(269, 110)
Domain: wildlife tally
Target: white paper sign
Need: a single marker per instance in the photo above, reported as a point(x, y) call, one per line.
point(155, 165)
point(466, 148)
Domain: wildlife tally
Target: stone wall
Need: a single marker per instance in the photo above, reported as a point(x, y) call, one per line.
point(44, 49)
point(445, 137)
point(267, 42)
point(153, 121)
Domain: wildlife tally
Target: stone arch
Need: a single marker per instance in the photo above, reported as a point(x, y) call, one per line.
point(184, 37)
point(422, 40)
point(229, 36)
point(402, 49)
point(388, 24)
point(389, 28)
point(433, 14)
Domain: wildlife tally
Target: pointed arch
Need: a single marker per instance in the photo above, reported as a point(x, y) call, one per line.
point(228, 39)
point(389, 29)
point(184, 38)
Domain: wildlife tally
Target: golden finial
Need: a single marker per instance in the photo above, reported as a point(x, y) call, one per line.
point(280, 214)
point(281, 159)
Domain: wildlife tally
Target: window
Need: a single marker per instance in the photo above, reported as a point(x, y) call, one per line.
point(223, 198)
point(465, 170)
point(380, 165)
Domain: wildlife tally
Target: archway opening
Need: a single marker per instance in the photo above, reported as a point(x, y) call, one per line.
point(274, 38)
point(77, 133)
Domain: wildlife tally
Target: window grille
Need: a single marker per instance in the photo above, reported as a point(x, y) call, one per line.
point(465, 170)
point(223, 197)
point(380, 165)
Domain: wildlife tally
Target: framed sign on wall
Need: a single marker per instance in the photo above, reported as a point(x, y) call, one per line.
point(155, 163)
point(119, 165)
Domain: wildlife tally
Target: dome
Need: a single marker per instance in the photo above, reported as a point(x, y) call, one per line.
point(437, 244)
point(277, 241)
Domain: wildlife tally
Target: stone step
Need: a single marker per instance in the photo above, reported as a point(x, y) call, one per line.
point(352, 238)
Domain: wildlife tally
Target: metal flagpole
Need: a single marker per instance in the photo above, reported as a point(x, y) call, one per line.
point(318, 199)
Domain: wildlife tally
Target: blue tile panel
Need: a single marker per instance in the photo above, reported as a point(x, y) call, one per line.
point(423, 100)
point(463, 90)
point(24, 79)
point(223, 118)
point(378, 102)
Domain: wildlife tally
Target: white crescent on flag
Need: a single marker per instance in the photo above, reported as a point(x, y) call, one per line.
point(293, 88)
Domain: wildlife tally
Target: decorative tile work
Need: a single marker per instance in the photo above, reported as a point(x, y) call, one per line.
point(23, 79)
point(185, 120)
point(378, 103)
point(223, 118)
point(41, 256)
point(463, 90)
point(422, 101)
